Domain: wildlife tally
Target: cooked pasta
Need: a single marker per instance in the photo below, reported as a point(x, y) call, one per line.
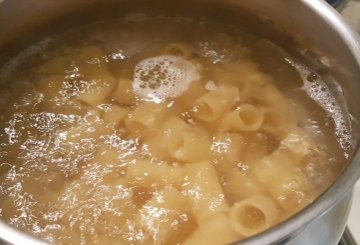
point(160, 131)
point(161, 216)
point(218, 224)
point(203, 188)
point(147, 174)
point(213, 104)
point(245, 118)
point(253, 215)
point(115, 115)
point(123, 94)
point(178, 49)
point(146, 115)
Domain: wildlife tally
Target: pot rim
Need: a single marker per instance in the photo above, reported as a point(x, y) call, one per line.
point(295, 224)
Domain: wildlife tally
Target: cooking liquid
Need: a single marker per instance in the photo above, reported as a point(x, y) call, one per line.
point(64, 167)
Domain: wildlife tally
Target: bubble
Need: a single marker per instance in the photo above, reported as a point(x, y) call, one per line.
point(165, 76)
point(318, 90)
point(312, 77)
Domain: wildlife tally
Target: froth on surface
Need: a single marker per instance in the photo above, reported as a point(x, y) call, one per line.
point(165, 76)
point(317, 89)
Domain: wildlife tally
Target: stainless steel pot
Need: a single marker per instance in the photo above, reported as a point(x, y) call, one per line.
point(334, 48)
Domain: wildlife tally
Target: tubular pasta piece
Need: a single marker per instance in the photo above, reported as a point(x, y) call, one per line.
point(98, 91)
point(215, 230)
point(124, 94)
point(160, 217)
point(190, 146)
point(92, 73)
point(50, 85)
point(196, 89)
point(202, 186)
point(279, 174)
point(240, 186)
point(115, 115)
point(228, 147)
point(145, 116)
point(298, 142)
point(147, 174)
point(246, 118)
point(272, 97)
point(180, 141)
point(213, 104)
point(159, 142)
point(178, 49)
point(243, 72)
point(253, 215)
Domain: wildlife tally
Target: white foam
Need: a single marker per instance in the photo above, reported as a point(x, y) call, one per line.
point(318, 90)
point(162, 77)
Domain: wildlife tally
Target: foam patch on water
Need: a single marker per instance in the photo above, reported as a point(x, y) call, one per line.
point(162, 77)
point(318, 90)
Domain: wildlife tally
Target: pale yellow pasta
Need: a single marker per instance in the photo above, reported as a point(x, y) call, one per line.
point(123, 94)
point(213, 104)
point(273, 98)
point(253, 215)
point(148, 174)
point(50, 85)
point(202, 186)
point(180, 141)
point(106, 155)
point(215, 230)
point(240, 72)
point(161, 216)
point(298, 142)
point(71, 137)
point(78, 199)
point(196, 90)
point(178, 49)
point(160, 140)
point(240, 185)
point(157, 140)
point(228, 148)
point(96, 78)
point(276, 122)
point(190, 146)
point(245, 118)
point(279, 174)
point(115, 115)
point(98, 91)
point(146, 115)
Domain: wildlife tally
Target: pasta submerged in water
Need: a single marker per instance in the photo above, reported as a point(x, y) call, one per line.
point(115, 136)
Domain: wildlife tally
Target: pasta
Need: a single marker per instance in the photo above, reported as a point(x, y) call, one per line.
point(286, 183)
point(218, 224)
point(213, 104)
point(148, 174)
point(246, 118)
point(240, 186)
point(123, 93)
point(180, 141)
point(203, 188)
point(50, 85)
point(115, 115)
point(178, 49)
point(144, 133)
point(157, 215)
point(253, 215)
point(147, 115)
